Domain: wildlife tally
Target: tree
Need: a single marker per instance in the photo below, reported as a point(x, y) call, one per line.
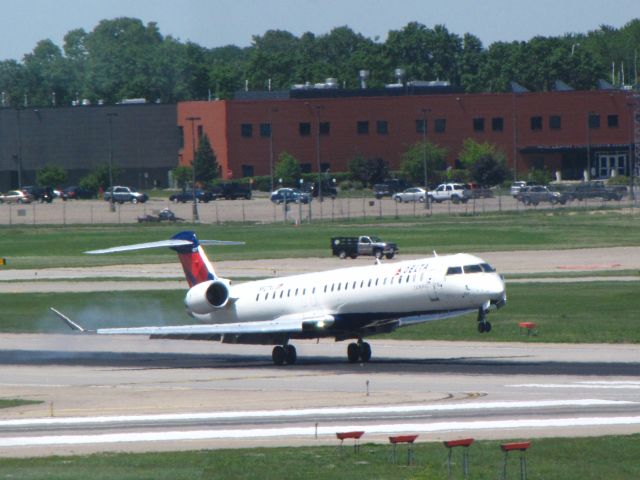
point(412, 161)
point(368, 170)
point(473, 151)
point(488, 170)
point(205, 162)
point(287, 168)
point(182, 175)
point(51, 176)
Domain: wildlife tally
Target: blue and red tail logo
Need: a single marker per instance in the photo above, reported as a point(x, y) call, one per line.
point(196, 265)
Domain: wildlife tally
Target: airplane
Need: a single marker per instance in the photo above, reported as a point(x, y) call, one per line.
point(347, 303)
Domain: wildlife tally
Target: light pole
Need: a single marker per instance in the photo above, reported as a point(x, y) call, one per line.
point(424, 155)
point(194, 211)
point(19, 150)
point(314, 111)
point(589, 116)
point(112, 207)
point(272, 110)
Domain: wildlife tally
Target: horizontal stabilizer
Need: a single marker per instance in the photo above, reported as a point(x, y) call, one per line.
point(68, 321)
point(173, 242)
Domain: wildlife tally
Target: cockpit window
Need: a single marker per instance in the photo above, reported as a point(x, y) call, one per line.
point(472, 269)
point(487, 268)
point(454, 270)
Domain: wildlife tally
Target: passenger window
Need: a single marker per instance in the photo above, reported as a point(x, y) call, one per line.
point(281, 293)
point(454, 270)
point(472, 269)
point(369, 283)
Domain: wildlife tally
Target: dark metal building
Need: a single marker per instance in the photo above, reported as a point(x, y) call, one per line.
point(141, 138)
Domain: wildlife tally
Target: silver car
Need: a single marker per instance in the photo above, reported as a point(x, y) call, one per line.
point(413, 194)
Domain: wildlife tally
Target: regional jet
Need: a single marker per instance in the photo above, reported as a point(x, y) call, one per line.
point(346, 304)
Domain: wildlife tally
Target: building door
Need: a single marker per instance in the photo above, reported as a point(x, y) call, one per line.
point(612, 162)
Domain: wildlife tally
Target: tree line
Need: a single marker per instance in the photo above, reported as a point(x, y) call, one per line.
point(124, 58)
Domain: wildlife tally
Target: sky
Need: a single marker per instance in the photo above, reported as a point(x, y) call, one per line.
point(214, 23)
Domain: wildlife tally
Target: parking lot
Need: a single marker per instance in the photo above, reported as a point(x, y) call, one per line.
point(261, 210)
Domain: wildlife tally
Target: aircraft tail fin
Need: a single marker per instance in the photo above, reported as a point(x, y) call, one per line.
point(197, 267)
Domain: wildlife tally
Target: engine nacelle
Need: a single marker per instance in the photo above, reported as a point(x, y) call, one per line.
point(207, 297)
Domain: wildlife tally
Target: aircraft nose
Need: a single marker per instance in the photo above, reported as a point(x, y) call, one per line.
point(497, 291)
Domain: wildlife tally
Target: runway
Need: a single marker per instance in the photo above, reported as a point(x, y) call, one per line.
point(113, 394)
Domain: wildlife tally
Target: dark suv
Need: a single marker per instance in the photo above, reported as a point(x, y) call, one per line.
point(40, 194)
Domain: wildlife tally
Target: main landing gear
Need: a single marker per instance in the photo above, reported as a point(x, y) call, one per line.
point(359, 351)
point(484, 326)
point(284, 354)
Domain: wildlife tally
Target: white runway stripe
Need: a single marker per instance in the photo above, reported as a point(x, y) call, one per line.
point(310, 431)
point(313, 412)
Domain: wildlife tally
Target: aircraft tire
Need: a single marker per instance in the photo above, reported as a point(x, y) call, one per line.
point(353, 352)
point(278, 355)
point(365, 352)
point(480, 327)
point(487, 327)
point(290, 354)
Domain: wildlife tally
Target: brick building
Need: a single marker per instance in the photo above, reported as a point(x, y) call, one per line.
point(559, 130)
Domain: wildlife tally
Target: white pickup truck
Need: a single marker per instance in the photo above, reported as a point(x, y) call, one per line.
point(456, 192)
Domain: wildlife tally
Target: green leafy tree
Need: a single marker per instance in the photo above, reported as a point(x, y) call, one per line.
point(182, 175)
point(368, 170)
point(412, 161)
point(489, 170)
point(473, 151)
point(288, 169)
point(51, 176)
point(205, 161)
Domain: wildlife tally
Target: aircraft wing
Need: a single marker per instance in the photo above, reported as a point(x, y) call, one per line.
point(282, 324)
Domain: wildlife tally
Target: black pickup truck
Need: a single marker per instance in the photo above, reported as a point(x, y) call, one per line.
point(344, 247)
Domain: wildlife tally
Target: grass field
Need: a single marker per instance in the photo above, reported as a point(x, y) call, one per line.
point(566, 312)
point(34, 247)
point(612, 457)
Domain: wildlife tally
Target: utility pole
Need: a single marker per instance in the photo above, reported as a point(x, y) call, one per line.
point(194, 211)
point(112, 207)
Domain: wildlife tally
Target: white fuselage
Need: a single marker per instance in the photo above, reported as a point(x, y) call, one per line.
point(401, 289)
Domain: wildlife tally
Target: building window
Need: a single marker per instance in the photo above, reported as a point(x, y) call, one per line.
point(305, 168)
point(421, 126)
point(382, 127)
point(497, 124)
point(325, 166)
point(247, 170)
point(594, 121)
point(362, 127)
point(246, 130)
point(612, 121)
point(440, 125)
point(555, 122)
point(324, 128)
point(536, 123)
point(180, 137)
point(265, 130)
point(200, 132)
point(304, 128)
point(478, 124)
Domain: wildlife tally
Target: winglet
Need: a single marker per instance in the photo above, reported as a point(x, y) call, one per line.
point(73, 325)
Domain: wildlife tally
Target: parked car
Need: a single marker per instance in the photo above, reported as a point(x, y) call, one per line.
point(165, 215)
point(413, 194)
point(289, 195)
point(478, 191)
point(76, 193)
point(16, 196)
point(456, 192)
point(519, 185)
point(540, 193)
point(389, 187)
point(126, 194)
point(39, 194)
point(597, 189)
point(232, 191)
point(328, 189)
point(202, 196)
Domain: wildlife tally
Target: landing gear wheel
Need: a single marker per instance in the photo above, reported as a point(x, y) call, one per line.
point(484, 327)
point(353, 352)
point(290, 354)
point(365, 352)
point(278, 355)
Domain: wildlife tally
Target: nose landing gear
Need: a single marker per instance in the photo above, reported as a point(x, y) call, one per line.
point(484, 326)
